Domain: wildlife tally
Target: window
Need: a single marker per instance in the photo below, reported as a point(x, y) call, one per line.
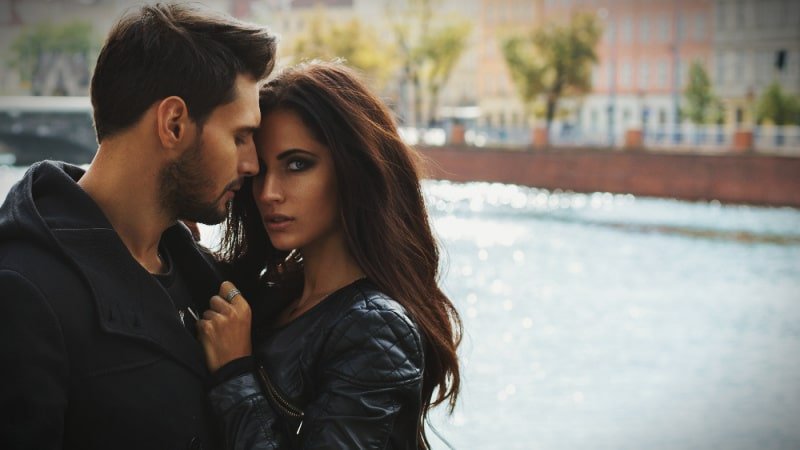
point(611, 77)
point(748, 59)
point(644, 75)
point(663, 73)
point(627, 29)
point(626, 78)
point(663, 28)
point(644, 30)
point(791, 12)
point(737, 65)
point(721, 11)
point(699, 30)
point(719, 71)
point(681, 28)
point(740, 14)
point(610, 30)
point(684, 75)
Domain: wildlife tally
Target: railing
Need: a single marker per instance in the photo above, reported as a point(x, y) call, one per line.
point(705, 138)
point(783, 140)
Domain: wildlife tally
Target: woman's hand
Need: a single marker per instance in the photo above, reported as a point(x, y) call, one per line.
point(224, 329)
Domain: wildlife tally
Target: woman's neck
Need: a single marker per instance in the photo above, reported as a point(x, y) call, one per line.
point(328, 267)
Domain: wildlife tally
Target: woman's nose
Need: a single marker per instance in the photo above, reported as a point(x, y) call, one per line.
point(271, 190)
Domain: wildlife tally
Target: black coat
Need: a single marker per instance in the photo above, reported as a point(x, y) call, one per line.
point(92, 354)
point(346, 374)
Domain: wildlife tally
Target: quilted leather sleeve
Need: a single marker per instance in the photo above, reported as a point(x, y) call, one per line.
point(248, 421)
point(374, 343)
point(371, 370)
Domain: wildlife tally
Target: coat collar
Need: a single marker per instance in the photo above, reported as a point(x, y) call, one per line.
point(130, 301)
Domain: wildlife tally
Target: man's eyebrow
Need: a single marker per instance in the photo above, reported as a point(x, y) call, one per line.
point(247, 129)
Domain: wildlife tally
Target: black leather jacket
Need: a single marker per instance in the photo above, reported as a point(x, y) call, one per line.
point(346, 374)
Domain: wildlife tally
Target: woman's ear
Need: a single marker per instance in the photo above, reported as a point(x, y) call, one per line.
point(172, 121)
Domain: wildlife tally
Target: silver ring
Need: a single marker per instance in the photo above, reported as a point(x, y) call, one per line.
point(231, 295)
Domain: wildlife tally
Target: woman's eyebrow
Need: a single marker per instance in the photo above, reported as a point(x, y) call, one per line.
point(286, 153)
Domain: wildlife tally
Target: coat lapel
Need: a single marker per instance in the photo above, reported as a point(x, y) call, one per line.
point(130, 301)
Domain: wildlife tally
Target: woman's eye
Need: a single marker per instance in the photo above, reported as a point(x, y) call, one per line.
point(298, 165)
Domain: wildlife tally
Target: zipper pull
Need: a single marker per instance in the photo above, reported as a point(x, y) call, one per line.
point(298, 428)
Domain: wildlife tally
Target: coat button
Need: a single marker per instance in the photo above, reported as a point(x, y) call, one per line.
point(195, 444)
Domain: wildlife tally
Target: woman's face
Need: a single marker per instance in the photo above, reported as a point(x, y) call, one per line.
point(295, 189)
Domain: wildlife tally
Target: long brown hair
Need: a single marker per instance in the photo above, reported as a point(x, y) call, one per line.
point(383, 213)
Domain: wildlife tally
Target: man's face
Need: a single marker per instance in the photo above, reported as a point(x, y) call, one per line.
point(200, 184)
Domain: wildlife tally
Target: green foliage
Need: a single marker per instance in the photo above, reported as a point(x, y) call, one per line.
point(778, 107)
point(411, 25)
point(702, 106)
point(440, 51)
point(357, 44)
point(553, 61)
point(32, 44)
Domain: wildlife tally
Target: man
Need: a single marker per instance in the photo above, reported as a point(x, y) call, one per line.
point(100, 282)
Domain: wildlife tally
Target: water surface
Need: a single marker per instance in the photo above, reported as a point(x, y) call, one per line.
point(607, 321)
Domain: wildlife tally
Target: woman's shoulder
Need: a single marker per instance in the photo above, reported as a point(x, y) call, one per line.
point(373, 338)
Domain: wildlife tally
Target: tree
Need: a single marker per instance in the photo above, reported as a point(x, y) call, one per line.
point(411, 26)
point(357, 44)
point(702, 106)
point(778, 107)
point(35, 50)
point(553, 61)
point(441, 51)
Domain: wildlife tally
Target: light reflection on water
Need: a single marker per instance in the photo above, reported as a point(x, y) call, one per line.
point(607, 321)
point(600, 321)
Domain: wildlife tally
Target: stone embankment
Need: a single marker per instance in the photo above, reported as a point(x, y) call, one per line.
point(729, 178)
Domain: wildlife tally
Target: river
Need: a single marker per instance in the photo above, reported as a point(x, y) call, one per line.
point(600, 321)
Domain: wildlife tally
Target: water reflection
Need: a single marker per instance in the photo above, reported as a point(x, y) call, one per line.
point(610, 321)
point(601, 321)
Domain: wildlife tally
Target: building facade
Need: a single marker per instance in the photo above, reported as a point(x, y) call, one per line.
point(756, 43)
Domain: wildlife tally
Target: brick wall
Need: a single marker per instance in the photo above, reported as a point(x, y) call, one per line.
point(748, 178)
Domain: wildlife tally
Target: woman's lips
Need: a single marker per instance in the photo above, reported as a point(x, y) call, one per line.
point(277, 222)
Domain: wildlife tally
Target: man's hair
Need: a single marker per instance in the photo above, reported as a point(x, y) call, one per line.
point(164, 50)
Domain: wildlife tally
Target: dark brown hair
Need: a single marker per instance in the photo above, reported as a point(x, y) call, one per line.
point(382, 211)
point(164, 50)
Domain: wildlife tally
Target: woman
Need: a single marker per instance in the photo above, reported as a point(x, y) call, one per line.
point(333, 235)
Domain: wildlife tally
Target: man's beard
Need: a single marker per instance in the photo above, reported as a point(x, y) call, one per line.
point(183, 186)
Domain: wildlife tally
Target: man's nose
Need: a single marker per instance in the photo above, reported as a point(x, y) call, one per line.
point(248, 159)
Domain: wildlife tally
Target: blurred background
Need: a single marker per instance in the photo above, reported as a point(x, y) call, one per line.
point(615, 186)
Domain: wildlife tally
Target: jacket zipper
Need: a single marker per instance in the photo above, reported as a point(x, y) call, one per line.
point(287, 408)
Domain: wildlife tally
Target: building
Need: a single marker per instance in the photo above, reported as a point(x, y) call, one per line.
point(643, 60)
point(755, 43)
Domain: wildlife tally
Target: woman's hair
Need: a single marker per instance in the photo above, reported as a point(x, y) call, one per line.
point(383, 213)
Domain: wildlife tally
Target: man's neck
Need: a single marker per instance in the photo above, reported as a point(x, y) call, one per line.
point(127, 193)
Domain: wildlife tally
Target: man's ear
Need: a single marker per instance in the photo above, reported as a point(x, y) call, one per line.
point(172, 121)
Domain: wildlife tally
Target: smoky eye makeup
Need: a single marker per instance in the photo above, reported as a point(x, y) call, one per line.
point(299, 164)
